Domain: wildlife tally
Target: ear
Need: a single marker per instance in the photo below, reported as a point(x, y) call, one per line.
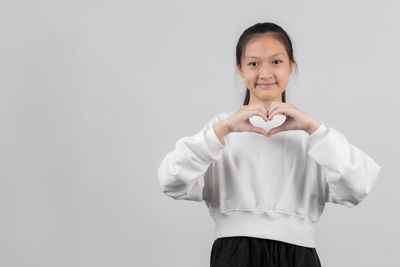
point(291, 68)
point(239, 69)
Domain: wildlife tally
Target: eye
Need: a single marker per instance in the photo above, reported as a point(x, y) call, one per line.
point(277, 60)
point(252, 63)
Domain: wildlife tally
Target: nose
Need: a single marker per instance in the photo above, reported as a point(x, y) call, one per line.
point(265, 71)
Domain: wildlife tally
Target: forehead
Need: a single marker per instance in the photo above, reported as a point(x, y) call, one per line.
point(265, 46)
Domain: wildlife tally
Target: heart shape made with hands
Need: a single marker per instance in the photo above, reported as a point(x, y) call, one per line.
point(258, 121)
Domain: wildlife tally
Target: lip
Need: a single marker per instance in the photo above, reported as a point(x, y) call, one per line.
point(265, 85)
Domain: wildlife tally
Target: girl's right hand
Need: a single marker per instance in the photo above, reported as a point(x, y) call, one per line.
point(239, 121)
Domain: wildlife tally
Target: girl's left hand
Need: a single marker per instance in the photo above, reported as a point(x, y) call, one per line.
point(296, 119)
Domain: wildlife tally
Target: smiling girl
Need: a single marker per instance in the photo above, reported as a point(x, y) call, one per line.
point(266, 190)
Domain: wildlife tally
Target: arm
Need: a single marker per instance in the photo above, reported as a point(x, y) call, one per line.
point(180, 173)
point(350, 174)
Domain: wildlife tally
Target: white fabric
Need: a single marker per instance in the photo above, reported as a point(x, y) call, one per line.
point(270, 187)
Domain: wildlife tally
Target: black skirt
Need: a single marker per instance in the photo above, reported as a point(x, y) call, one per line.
point(245, 251)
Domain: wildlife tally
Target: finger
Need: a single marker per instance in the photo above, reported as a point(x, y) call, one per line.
point(270, 108)
point(257, 106)
point(264, 109)
point(274, 106)
point(259, 113)
point(284, 111)
point(276, 130)
point(259, 130)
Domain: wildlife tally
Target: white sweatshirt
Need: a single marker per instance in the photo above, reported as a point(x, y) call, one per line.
point(268, 187)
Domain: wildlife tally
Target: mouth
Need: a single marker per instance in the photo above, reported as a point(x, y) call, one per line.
point(265, 85)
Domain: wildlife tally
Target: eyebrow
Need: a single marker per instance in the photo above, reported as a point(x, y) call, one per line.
point(270, 56)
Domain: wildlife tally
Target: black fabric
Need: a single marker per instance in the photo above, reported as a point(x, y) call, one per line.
point(245, 251)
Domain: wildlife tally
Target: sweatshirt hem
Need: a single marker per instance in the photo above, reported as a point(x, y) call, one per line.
point(269, 225)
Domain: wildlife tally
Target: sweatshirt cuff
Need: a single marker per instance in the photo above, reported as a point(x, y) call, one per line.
point(215, 146)
point(317, 135)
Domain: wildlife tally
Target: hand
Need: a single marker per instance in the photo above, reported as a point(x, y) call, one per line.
point(296, 119)
point(239, 121)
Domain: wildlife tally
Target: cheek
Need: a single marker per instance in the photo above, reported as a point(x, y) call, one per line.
point(282, 76)
point(251, 76)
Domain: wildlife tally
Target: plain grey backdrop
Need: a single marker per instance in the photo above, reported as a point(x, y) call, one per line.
point(95, 93)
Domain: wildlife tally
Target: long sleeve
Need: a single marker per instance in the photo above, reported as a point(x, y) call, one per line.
point(180, 173)
point(349, 173)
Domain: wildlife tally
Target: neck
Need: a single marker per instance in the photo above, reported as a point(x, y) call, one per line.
point(266, 103)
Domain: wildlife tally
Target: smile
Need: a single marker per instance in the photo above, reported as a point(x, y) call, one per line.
point(266, 86)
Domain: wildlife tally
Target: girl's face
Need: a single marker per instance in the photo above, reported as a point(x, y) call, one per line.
point(265, 61)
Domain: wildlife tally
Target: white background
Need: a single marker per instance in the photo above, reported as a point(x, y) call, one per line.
point(93, 94)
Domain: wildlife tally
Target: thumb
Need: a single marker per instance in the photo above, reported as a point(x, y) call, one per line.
point(275, 130)
point(259, 130)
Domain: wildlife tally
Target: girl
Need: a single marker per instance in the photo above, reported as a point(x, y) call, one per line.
point(266, 190)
